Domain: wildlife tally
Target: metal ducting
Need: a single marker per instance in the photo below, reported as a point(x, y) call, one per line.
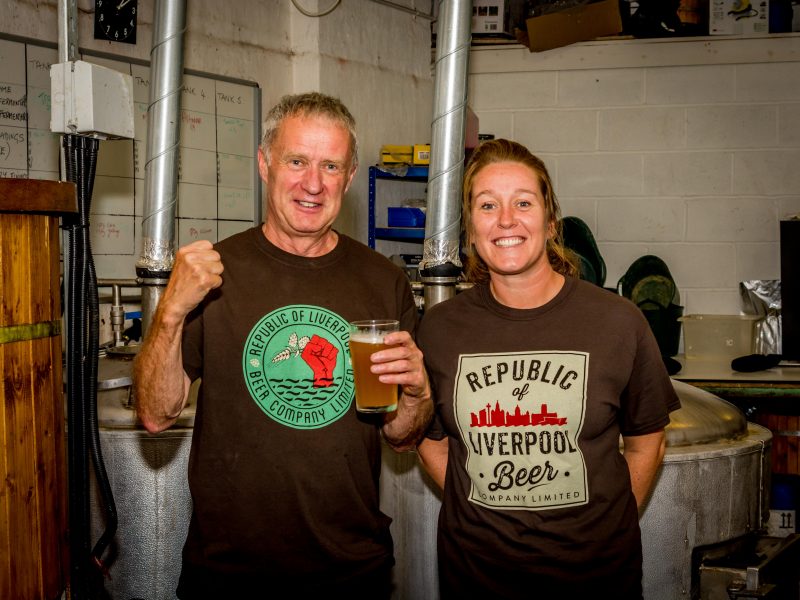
point(440, 265)
point(161, 165)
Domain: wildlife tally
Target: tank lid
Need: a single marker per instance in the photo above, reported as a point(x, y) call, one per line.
point(703, 418)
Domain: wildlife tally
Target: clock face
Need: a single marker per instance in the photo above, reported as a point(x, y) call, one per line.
point(115, 20)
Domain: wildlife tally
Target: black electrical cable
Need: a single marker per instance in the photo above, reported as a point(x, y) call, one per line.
point(82, 368)
point(94, 429)
point(76, 448)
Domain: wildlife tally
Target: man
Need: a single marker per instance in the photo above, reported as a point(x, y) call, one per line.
point(283, 472)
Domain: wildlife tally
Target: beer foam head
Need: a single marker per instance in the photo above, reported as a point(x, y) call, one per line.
point(367, 337)
point(372, 332)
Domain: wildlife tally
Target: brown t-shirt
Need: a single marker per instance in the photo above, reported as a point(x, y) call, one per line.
point(283, 472)
point(533, 402)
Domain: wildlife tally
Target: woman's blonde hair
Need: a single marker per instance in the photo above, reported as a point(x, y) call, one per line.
point(490, 152)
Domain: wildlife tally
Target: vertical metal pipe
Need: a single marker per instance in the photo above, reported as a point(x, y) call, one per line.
point(443, 221)
point(117, 315)
point(67, 30)
point(67, 52)
point(161, 166)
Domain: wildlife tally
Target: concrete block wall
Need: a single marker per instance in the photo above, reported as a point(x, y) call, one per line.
point(686, 149)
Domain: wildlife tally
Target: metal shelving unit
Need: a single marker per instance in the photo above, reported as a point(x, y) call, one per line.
point(397, 234)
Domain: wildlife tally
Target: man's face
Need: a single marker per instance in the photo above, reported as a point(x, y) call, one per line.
point(307, 174)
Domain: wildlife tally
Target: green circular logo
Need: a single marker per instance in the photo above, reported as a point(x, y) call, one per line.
point(296, 365)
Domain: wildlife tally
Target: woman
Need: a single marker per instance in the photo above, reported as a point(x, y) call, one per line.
point(536, 374)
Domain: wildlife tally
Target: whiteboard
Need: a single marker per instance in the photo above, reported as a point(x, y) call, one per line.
point(219, 191)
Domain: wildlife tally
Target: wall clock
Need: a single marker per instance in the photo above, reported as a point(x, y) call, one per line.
point(115, 20)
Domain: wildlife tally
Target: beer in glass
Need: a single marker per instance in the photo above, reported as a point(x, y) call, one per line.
point(366, 338)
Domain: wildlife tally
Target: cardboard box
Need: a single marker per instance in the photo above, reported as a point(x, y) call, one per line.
point(491, 17)
point(392, 154)
point(577, 24)
point(421, 154)
point(733, 17)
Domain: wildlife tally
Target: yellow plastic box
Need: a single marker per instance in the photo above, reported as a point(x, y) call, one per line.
point(422, 154)
point(392, 154)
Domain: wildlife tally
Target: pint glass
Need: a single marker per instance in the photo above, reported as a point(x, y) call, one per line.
point(366, 337)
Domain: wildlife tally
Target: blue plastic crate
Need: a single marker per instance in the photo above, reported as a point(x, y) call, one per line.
point(406, 216)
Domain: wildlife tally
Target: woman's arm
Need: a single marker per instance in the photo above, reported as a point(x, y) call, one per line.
point(644, 454)
point(433, 456)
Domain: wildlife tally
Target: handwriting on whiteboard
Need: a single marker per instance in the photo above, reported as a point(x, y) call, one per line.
point(216, 155)
point(13, 148)
point(39, 65)
point(197, 234)
point(107, 230)
point(191, 120)
point(229, 98)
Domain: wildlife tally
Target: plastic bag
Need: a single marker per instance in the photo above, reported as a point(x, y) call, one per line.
point(762, 297)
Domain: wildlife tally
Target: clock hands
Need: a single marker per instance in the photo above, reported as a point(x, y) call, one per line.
point(115, 20)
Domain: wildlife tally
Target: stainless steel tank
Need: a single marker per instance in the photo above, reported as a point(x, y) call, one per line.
point(148, 477)
point(711, 488)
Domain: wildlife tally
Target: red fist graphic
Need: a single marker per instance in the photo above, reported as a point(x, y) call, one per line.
point(320, 355)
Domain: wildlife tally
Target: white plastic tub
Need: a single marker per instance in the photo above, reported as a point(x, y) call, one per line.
point(718, 336)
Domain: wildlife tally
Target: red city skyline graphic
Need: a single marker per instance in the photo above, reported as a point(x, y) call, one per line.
point(499, 417)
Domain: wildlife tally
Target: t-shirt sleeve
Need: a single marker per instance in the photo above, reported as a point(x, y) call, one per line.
point(424, 338)
point(435, 430)
point(649, 396)
point(409, 315)
point(192, 344)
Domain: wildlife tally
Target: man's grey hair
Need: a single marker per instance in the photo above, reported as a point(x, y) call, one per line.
point(305, 105)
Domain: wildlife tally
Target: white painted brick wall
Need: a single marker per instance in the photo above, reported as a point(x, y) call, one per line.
point(617, 87)
point(686, 149)
point(557, 130)
point(649, 128)
point(690, 84)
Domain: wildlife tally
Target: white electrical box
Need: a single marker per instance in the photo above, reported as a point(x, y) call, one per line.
point(91, 100)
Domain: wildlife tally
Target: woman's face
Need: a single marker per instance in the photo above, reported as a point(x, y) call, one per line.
point(510, 224)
